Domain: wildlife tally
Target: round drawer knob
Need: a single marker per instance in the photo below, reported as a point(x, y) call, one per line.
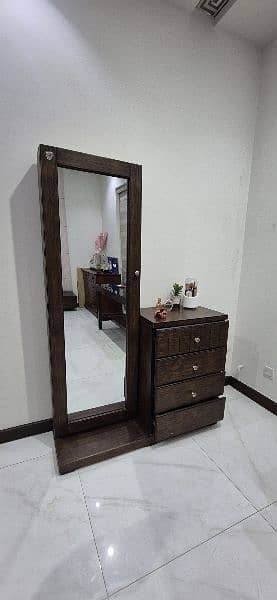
point(197, 340)
point(195, 367)
point(194, 394)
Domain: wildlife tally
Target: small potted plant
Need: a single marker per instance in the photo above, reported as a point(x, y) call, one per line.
point(176, 294)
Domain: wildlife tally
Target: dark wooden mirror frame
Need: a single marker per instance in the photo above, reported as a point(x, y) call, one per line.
point(49, 160)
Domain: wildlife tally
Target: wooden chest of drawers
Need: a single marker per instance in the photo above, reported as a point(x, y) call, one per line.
point(182, 370)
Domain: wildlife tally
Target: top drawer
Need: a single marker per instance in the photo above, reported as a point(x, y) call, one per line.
point(180, 340)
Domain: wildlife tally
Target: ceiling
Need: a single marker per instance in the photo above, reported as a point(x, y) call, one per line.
point(254, 20)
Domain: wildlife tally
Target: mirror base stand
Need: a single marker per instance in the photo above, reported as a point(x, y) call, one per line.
point(83, 449)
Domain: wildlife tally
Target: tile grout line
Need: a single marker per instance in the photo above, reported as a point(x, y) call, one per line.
point(171, 560)
point(265, 519)
point(21, 462)
point(225, 474)
point(92, 531)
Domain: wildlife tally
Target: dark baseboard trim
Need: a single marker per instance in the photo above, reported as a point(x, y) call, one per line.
point(252, 394)
point(21, 431)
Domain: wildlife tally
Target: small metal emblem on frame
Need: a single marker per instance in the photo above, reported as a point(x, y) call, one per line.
point(49, 154)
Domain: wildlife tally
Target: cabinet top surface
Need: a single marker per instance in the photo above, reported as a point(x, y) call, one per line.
point(98, 271)
point(182, 316)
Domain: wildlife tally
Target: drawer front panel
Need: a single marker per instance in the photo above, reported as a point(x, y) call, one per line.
point(172, 341)
point(186, 366)
point(200, 337)
point(179, 340)
point(188, 392)
point(219, 334)
point(188, 419)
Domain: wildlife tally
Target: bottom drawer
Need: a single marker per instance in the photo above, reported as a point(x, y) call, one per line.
point(184, 420)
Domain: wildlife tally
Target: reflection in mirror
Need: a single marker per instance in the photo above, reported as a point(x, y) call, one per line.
point(93, 227)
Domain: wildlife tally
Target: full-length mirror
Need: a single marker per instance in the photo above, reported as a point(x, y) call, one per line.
point(91, 217)
point(93, 231)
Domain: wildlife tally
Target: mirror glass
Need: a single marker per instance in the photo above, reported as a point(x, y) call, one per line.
point(93, 228)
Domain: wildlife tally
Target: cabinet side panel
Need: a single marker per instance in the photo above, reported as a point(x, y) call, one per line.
point(146, 354)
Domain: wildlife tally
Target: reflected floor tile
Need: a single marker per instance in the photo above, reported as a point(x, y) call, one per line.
point(83, 394)
point(244, 446)
point(29, 447)
point(95, 361)
point(154, 504)
point(47, 549)
point(238, 564)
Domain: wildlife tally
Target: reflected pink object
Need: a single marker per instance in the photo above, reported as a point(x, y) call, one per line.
point(101, 242)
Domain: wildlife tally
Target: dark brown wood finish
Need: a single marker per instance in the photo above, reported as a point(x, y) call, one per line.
point(48, 186)
point(49, 159)
point(84, 449)
point(92, 278)
point(146, 375)
point(190, 391)
point(182, 366)
point(85, 420)
point(69, 301)
point(133, 287)
point(80, 161)
point(182, 316)
point(253, 394)
point(110, 307)
point(188, 419)
point(26, 430)
point(172, 341)
point(176, 368)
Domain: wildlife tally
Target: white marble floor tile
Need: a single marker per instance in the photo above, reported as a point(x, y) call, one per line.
point(154, 504)
point(239, 564)
point(47, 548)
point(26, 448)
point(270, 514)
point(244, 446)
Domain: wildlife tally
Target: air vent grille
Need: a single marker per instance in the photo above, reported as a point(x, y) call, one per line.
point(215, 8)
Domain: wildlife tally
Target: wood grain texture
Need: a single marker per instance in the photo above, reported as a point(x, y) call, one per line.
point(80, 161)
point(146, 376)
point(182, 316)
point(92, 278)
point(188, 419)
point(186, 366)
point(84, 449)
point(48, 186)
point(180, 340)
point(85, 420)
point(190, 391)
point(48, 181)
point(182, 364)
point(133, 288)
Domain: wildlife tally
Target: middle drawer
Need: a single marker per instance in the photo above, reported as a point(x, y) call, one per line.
point(187, 392)
point(185, 366)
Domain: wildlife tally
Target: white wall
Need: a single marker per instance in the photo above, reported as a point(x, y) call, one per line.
point(140, 81)
point(110, 215)
point(256, 328)
point(82, 194)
